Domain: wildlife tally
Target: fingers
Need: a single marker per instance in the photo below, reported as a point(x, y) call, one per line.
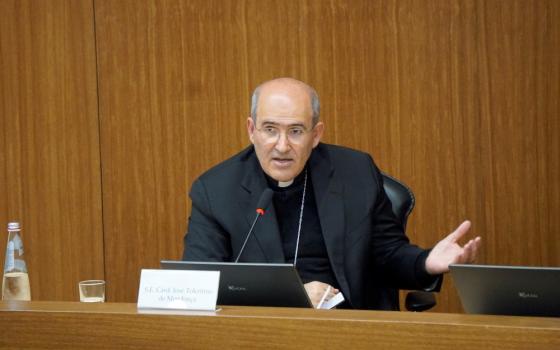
point(474, 249)
point(459, 231)
point(316, 290)
point(470, 251)
point(332, 293)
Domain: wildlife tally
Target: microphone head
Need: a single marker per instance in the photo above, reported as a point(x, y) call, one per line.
point(264, 201)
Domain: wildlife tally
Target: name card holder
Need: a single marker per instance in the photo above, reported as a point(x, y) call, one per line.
point(178, 290)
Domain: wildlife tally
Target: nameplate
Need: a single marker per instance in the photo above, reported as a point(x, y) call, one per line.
point(178, 290)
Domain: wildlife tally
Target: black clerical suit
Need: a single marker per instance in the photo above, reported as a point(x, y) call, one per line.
point(366, 245)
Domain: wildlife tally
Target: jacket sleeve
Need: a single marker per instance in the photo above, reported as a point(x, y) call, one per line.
point(401, 264)
point(206, 239)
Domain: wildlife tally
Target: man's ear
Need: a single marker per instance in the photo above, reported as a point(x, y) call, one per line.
point(318, 133)
point(251, 129)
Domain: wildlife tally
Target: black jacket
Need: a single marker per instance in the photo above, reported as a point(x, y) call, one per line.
point(366, 245)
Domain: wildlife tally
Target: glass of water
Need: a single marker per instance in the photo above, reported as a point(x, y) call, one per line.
point(92, 291)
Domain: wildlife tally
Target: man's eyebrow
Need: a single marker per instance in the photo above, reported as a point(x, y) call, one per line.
point(270, 122)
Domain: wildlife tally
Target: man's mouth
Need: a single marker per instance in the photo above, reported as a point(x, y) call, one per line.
point(282, 162)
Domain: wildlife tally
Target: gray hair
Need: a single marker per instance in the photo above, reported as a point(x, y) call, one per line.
point(315, 105)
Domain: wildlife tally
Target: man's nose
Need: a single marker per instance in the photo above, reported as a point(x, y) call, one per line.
point(283, 144)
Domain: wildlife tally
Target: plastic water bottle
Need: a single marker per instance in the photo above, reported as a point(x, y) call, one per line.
point(15, 285)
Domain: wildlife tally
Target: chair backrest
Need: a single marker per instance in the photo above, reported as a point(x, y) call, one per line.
point(401, 197)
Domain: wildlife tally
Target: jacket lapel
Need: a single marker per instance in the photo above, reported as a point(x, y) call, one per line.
point(266, 232)
point(329, 196)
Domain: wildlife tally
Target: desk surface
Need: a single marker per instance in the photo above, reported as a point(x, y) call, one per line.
point(66, 325)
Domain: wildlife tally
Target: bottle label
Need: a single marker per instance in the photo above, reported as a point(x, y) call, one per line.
point(10, 263)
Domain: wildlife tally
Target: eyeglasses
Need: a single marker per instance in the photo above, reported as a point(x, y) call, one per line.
point(294, 134)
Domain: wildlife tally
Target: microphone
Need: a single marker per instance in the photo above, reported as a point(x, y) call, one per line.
point(263, 202)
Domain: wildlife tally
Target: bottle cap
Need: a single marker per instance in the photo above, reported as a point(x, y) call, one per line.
point(13, 226)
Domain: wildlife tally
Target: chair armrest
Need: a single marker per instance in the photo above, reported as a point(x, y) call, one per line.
point(420, 301)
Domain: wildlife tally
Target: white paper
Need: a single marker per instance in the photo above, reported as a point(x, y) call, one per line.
point(178, 290)
point(332, 302)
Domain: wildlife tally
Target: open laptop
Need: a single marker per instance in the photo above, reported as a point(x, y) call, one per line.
point(252, 284)
point(508, 290)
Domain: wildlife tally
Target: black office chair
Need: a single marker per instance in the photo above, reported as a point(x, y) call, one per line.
point(402, 200)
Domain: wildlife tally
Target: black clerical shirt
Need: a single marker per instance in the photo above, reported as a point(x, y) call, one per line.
point(312, 259)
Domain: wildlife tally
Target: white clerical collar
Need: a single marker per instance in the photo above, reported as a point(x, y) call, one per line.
point(285, 183)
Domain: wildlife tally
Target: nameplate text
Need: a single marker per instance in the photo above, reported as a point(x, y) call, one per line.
point(178, 290)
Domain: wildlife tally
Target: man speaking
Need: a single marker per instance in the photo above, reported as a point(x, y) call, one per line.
point(329, 213)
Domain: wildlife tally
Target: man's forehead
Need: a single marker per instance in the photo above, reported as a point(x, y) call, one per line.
point(284, 105)
point(284, 99)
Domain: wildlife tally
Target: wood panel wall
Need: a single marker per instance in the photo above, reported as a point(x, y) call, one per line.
point(457, 98)
point(50, 178)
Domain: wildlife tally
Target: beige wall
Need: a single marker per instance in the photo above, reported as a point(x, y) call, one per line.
point(110, 109)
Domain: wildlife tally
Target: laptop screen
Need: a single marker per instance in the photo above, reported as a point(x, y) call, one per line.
point(508, 290)
point(252, 284)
